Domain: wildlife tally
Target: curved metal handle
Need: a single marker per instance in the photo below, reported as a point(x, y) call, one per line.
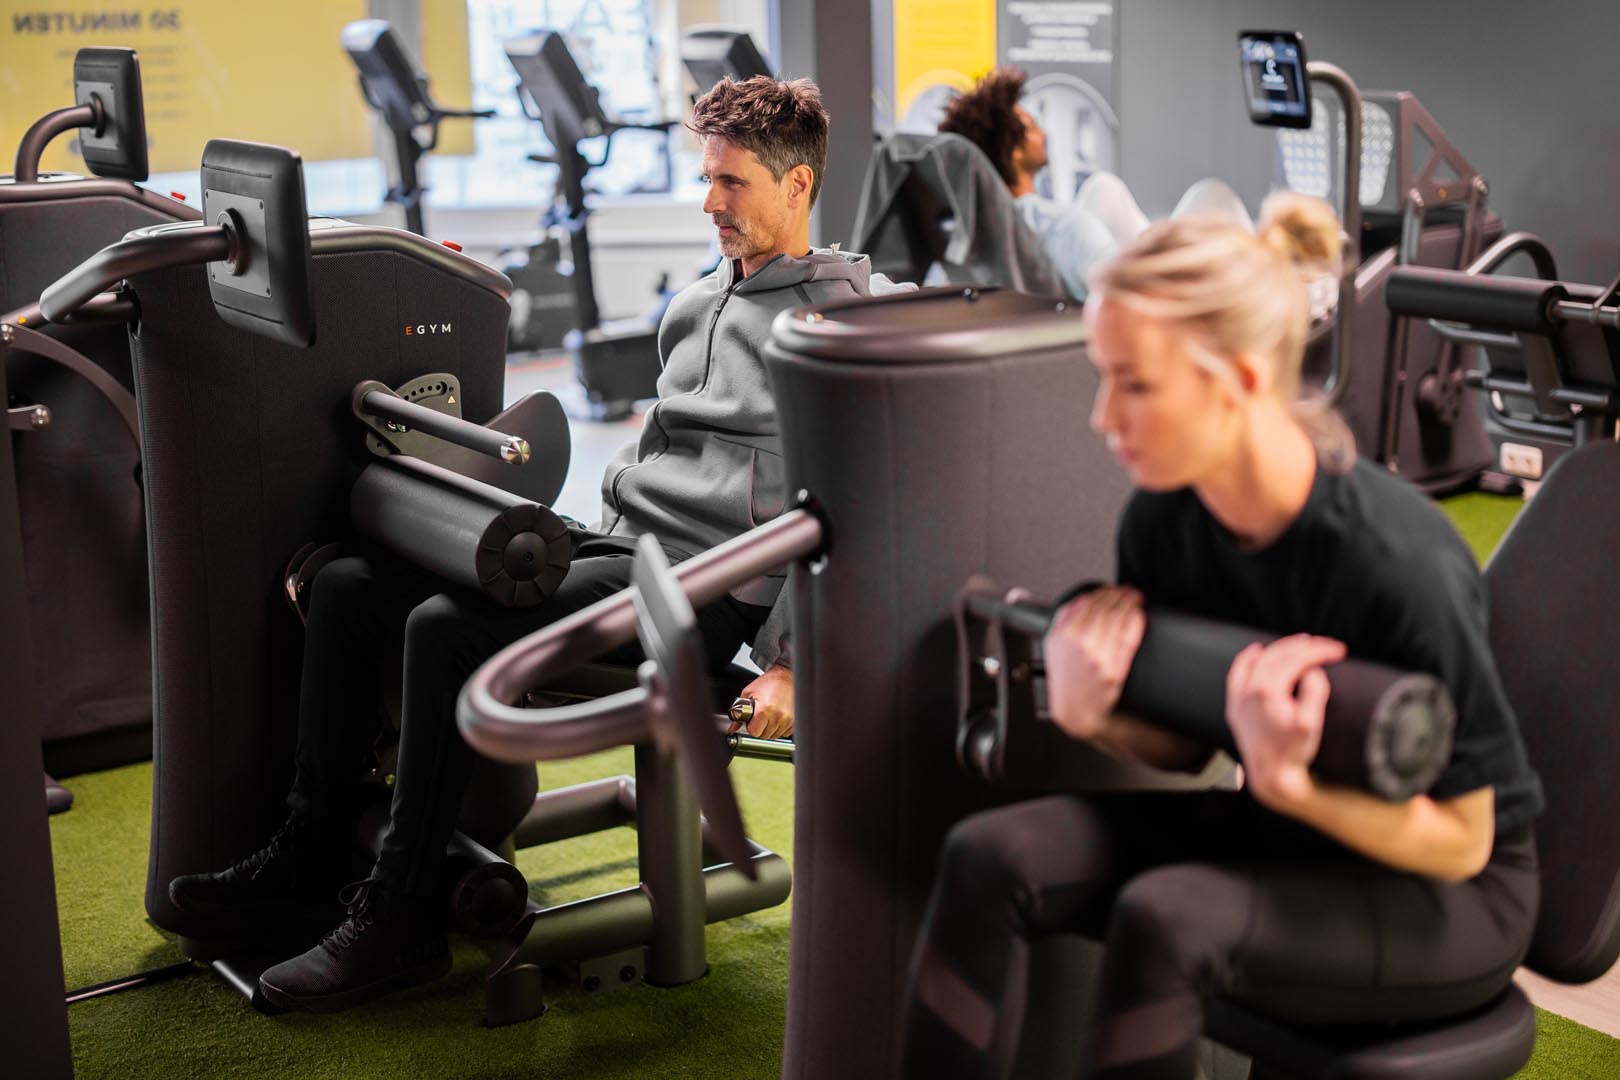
point(506, 732)
point(16, 332)
point(1512, 244)
point(48, 127)
point(138, 254)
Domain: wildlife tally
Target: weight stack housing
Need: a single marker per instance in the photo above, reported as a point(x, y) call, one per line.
point(942, 434)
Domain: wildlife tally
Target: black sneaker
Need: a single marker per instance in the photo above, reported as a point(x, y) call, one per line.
point(388, 941)
point(282, 890)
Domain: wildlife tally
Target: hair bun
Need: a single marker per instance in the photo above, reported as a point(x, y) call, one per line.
point(1301, 229)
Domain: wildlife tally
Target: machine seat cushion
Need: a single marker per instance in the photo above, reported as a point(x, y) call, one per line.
point(1494, 1042)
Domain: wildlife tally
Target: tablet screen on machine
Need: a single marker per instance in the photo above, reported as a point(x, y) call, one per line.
point(1274, 77)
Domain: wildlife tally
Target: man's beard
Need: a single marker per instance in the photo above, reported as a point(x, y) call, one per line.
point(740, 244)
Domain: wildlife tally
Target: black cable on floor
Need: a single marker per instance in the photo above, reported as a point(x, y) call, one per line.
point(132, 982)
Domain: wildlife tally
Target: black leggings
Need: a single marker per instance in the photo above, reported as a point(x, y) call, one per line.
point(1195, 895)
point(369, 616)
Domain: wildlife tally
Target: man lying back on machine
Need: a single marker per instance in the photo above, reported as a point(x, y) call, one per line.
point(1103, 215)
point(990, 117)
point(707, 466)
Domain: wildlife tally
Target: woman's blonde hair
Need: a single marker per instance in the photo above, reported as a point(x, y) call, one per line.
point(1231, 290)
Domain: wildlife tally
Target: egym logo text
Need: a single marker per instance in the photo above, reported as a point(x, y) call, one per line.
point(422, 329)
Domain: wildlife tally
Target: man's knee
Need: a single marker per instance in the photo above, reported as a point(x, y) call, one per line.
point(343, 584)
point(438, 626)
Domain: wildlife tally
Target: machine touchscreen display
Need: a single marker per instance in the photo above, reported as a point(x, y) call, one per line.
point(1274, 78)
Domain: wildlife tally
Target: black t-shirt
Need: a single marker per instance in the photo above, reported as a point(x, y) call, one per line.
point(1371, 562)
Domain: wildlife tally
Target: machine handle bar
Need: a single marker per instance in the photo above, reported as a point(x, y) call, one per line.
point(48, 127)
point(506, 732)
point(374, 400)
point(137, 255)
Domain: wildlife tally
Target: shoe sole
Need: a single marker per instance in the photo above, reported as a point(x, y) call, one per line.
point(359, 995)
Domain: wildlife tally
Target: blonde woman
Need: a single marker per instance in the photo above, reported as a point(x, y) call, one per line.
point(1304, 901)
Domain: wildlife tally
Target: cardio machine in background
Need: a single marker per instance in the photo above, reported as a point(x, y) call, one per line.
point(399, 93)
point(544, 286)
point(73, 428)
point(712, 53)
point(1407, 197)
point(616, 362)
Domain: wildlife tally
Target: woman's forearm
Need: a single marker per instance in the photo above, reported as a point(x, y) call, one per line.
point(1450, 840)
point(1137, 740)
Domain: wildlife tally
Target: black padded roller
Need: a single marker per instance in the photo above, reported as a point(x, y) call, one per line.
point(487, 894)
point(1386, 731)
point(1484, 300)
point(514, 551)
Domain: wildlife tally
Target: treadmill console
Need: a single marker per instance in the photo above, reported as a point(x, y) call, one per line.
point(1275, 81)
point(389, 81)
point(712, 53)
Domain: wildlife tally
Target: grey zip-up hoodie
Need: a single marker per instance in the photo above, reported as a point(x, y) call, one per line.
point(709, 465)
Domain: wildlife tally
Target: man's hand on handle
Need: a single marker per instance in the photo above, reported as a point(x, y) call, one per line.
point(771, 713)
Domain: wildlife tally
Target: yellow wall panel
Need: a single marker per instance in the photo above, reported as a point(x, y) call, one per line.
point(271, 73)
point(448, 63)
point(941, 43)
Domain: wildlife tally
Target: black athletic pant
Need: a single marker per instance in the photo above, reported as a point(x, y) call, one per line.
point(1195, 895)
point(366, 614)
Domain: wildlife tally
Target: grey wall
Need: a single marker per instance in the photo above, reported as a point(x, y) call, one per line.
point(1526, 90)
point(821, 40)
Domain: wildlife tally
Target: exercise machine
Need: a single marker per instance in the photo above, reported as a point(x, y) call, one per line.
point(1548, 350)
point(1407, 196)
point(399, 93)
point(616, 362)
point(330, 427)
point(865, 387)
point(73, 426)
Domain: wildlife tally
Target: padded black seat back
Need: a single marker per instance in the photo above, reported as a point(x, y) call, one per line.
point(84, 539)
point(1555, 631)
point(251, 451)
point(935, 201)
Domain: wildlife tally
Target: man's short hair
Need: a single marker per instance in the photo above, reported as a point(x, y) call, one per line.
point(784, 124)
point(986, 116)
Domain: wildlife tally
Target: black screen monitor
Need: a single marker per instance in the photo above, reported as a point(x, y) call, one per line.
point(555, 84)
point(1275, 81)
point(117, 148)
point(391, 84)
point(712, 53)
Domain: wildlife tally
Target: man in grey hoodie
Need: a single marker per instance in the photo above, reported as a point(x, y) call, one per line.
point(707, 467)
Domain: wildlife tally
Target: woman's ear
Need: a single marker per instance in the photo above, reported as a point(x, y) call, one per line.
point(1253, 372)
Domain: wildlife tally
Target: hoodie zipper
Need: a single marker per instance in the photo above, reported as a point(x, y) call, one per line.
point(652, 414)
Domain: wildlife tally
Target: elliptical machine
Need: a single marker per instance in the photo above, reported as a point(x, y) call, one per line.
point(399, 93)
point(616, 362)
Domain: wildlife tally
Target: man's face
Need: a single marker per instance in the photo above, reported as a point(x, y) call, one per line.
point(1033, 147)
point(755, 212)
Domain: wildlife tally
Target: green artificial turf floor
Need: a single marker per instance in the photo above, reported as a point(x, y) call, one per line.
point(727, 1026)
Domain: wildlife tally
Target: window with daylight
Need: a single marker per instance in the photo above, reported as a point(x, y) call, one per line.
point(612, 40)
